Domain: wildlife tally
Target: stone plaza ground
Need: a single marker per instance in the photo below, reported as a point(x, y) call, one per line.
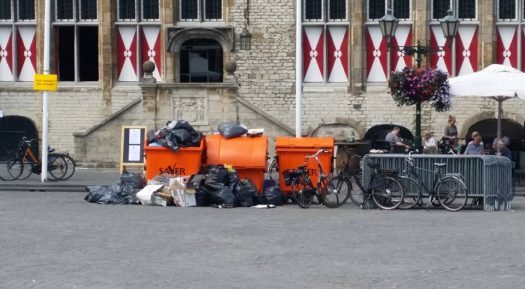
point(57, 240)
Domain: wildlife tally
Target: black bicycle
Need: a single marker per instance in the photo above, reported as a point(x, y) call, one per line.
point(383, 188)
point(448, 190)
point(331, 191)
point(24, 162)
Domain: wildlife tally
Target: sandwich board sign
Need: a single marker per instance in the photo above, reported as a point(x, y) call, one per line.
point(133, 141)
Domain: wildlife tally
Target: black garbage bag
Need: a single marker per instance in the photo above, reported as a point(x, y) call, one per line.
point(273, 196)
point(179, 137)
point(150, 136)
point(245, 193)
point(202, 198)
point(132, 180)
point(114, 194)
point(178, 134)
point(217, 174)
point(233, 180)
point(218, 194)
point(231, 130)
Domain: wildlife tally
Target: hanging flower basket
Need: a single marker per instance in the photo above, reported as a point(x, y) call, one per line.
point(418, 85)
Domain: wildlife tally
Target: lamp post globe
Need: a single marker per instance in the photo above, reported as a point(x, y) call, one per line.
point(449, 24)
point(388, 25)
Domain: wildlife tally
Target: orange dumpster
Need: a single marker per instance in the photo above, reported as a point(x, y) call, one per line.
point(160, 160)
point(291, 151)
point(248, 155)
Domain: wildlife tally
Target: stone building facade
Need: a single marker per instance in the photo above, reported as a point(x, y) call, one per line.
point(99, 46)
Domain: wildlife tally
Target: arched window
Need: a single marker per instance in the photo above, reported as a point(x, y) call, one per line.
point(201, 61)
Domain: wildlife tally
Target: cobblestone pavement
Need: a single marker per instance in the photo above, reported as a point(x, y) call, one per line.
point(57, 240)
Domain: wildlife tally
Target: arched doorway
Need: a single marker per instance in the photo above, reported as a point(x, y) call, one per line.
point(376, 135)
point(12, 129)
point(488, 130)
point(201, 61)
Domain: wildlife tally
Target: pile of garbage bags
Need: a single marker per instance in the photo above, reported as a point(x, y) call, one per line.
point(122, 193)
point(218, 186)
point(174, 135)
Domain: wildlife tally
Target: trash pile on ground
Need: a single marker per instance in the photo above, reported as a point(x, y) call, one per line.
point(122, 193)
point(217, 186)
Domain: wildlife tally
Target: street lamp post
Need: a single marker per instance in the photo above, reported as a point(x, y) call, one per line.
point(388, 25)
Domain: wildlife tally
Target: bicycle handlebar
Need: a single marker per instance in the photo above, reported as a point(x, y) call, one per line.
point(316, 154)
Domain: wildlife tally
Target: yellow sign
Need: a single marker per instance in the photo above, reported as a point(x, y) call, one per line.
point(45, 82)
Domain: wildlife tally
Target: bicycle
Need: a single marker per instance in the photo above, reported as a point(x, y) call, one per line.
point(383, 188)
point(61, 166)
point(449, 189)
point(332, 192)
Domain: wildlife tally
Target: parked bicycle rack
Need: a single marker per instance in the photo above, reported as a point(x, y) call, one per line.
point(487, 177)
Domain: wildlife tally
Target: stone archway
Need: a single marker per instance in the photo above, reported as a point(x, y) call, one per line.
point(488, 127)
point(178, 35)
point(518, 119)
point(343, 130)
point(13, 128)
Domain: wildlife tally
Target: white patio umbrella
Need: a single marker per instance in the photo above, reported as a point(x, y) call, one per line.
point(496, 81)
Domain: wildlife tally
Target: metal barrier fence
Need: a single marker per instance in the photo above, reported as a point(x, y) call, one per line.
point(488, 177)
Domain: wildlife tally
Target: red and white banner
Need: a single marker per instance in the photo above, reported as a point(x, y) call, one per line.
point(466, 49)
point(337, 54)
point(6, 54)
point(376, 55)
point(26, 53)
point(150, 44)
point(442, 59)
point(403, 38)
point(507, 45)
point(127, 53)
point(313, 54)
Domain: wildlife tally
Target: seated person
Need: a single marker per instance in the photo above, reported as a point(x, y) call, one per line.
point(503, 150)
point(395, 141)
point(504, 138)
point(475, 147)
point(429, 143)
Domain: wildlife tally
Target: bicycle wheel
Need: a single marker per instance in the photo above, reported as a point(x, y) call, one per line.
point(71, 165)
point(412, 193)
point(334, 192)
point(27, 169)
point(57, 166)
point(388, 193)
point(451, 193)
point(356, 193)
point(273, 170)
point(302, 192)
point(10, 167)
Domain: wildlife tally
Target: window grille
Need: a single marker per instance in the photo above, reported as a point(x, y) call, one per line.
point(213, 9)
point(5, 10)
point(402, 9)
point(337, 10)
point(64, 9)
point(313, 10)
point(467, 9)
point(88, 9)
point(126, 10)
point(150, 9)
point(189, 9)
point(507, 9)
point(26, 10)
point(440, 8)
point(376, 9)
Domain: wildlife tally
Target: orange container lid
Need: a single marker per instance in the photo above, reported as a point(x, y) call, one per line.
point(244, 152)
point(303, 142)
